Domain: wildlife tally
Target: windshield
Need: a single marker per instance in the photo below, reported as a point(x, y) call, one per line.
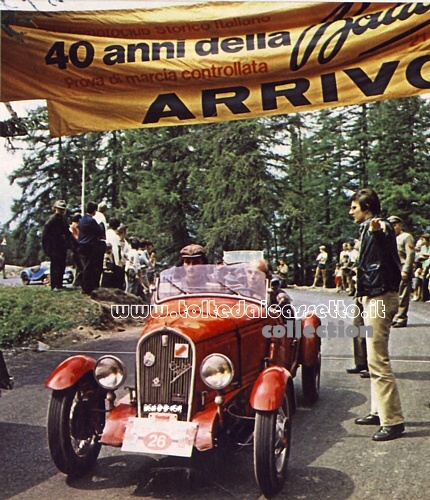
point(238, 279)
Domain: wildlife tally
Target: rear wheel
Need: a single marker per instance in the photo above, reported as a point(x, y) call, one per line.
point(311, 376)
point(272, 442)
point(25, 279)
point(76, 418)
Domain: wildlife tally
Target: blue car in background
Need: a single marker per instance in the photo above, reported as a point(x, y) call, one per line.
point(41, 274)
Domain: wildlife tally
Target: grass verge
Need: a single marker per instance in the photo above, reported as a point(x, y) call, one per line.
point(28, 314)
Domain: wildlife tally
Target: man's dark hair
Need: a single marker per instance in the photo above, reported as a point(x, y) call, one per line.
point(368, 200)
point(91, 207)
point(134, 243)
point(76, 217)
point(114, 223)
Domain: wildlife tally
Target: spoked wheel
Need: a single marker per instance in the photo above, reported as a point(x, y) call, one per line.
point(311, 376)
point(272, 442)
point(76, 418)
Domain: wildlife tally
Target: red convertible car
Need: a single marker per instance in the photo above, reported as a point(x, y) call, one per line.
point(213, 356)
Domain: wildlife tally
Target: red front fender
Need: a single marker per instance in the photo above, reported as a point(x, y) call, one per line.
point(70, 371)
point(310, 344)
point(269, 388)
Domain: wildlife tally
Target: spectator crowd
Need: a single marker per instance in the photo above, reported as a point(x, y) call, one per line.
point(102, 253)
point(414, 256)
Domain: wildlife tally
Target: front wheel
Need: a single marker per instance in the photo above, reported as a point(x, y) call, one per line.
point(76, 418)
point(272, 442)
point(25, 279)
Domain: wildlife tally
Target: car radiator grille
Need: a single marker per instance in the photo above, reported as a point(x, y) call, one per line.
point(166, 373)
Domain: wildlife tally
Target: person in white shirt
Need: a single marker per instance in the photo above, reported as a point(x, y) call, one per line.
point(321, 266)
point(100, 217)
point(113, 238)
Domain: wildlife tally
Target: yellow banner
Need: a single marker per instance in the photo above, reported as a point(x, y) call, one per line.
point(213, 62)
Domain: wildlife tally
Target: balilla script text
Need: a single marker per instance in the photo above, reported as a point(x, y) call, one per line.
point(319, 37)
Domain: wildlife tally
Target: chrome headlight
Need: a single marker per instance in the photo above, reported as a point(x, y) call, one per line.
point(217, 371)
point(110, 372)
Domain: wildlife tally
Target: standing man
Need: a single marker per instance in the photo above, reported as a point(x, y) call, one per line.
point(406, 249)
point(91, 249)
point(359, 343)
point(423, 249)
point(113, 239)
point(378, 278)
point(56, 239)
point(321, 266)
point(283, 273)
point(100, 217)
point(74, 230)
point(124, 251)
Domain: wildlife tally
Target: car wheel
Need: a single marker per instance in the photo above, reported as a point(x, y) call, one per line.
point(272, 442)
point(311, 376)
point(76, 418)
point(25, 279)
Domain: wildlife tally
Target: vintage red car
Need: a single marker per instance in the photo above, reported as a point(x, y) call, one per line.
point(211, 359)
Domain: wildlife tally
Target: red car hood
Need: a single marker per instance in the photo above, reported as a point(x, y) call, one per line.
point(201, 318)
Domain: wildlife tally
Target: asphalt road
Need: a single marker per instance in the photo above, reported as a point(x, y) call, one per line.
point(331, 457)
point(11, 281)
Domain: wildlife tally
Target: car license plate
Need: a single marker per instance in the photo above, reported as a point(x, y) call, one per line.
point(160, 435)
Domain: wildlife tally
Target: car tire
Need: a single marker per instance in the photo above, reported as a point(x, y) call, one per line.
point(311, 377)
point(272, 443)
point(25, 279)
point(76, 418)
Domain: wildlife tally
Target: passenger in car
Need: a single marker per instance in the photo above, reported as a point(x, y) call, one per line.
point(257, 271)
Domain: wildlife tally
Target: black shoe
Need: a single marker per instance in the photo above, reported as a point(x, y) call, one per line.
point(356, 369)
point(399, 325)
point(369, 420)
point(389, 433)
point(365, 374)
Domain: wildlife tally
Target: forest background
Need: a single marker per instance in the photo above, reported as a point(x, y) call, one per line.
point(279, 184)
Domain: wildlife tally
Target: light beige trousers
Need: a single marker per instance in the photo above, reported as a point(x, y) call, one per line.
point(385, 400)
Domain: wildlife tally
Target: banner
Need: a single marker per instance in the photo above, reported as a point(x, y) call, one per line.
point(204, 63)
